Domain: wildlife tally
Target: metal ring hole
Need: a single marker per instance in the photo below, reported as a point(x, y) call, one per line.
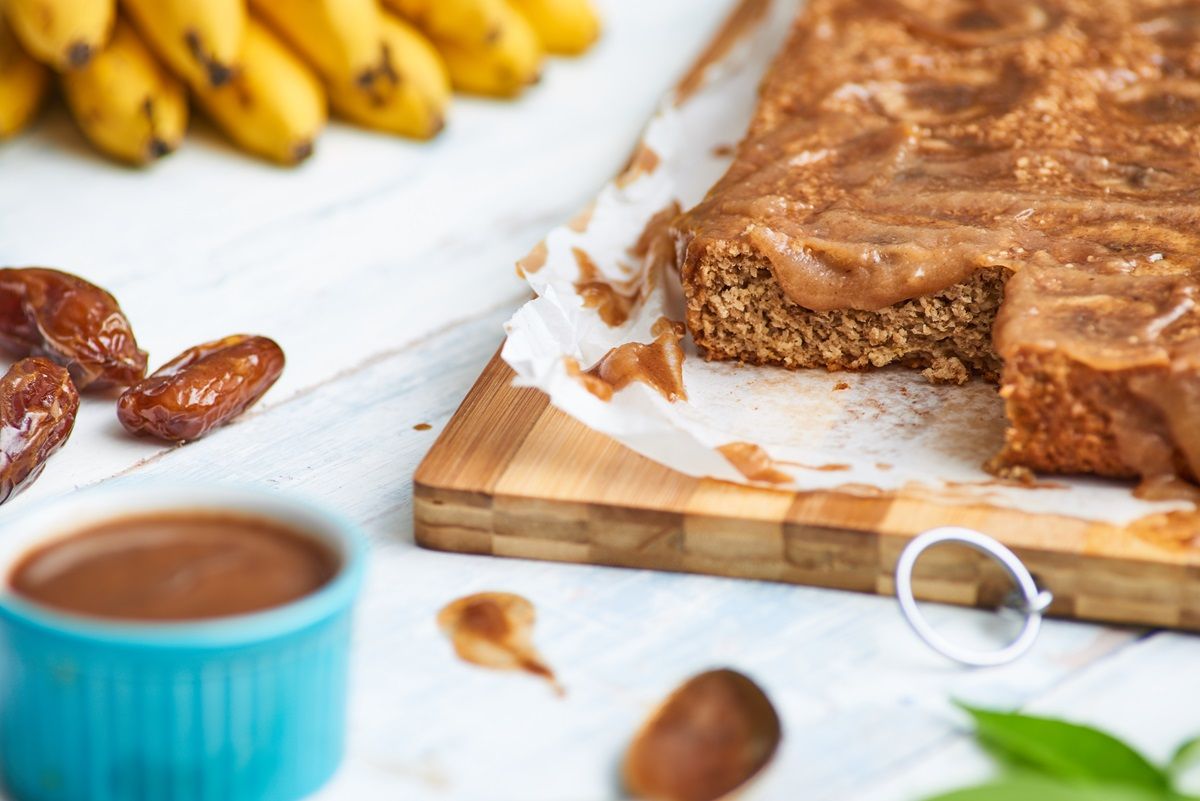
point(1021, 610)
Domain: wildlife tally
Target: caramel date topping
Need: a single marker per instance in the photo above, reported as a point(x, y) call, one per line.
point(38, 404)
point(77, 324)
point(204, 387)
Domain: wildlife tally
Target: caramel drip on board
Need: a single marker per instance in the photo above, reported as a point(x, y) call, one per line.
point(591, 383)
point(533, 261)
point(655, 246)
point(1174, 531)
point(612, 302)
point(495, 630)
point(1167, 488)
point(658, 365)
point(753, 462)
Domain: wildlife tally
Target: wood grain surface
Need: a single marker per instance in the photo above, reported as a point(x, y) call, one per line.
point(513, 476)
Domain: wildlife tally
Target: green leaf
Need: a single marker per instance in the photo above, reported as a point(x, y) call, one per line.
point(1040, 788)
point(1186, 755)
point(1065, 751)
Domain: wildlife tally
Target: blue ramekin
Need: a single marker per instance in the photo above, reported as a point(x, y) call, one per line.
point(244, 708)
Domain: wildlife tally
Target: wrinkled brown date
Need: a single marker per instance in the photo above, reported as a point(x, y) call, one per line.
point(38, 404)
point(201, 388)
point(50, 313)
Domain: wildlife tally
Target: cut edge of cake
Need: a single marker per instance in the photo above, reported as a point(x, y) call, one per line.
point(737, 311)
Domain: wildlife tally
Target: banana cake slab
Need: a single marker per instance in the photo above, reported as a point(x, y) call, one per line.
point(1007, 189)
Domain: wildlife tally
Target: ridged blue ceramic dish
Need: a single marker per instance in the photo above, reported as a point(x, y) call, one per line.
point(245, 708)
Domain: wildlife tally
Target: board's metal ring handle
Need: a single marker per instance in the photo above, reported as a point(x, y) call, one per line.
point(1028, 599)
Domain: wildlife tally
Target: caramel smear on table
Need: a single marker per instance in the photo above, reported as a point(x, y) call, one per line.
point(757, 465)
point(1167, 488)
point(643, 162)
point(612, 302)
point(710, 737)
point(422, 427)
point(495, 630)
point(743, 19)
point(1175, 531)
point(655, 246)
point(754, 463)
point(590, 382)
point(658, 365)
point(533, 261)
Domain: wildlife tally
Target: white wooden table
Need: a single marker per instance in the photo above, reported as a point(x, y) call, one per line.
point(385, 270)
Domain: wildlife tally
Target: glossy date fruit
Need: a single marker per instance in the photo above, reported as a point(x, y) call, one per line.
point(201, 388)
point(38, 404)
point(68, 320)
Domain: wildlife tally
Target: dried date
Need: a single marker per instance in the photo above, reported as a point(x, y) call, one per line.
point(708, 739)
point(38, 404)
point(204, 387)
point(68, 320)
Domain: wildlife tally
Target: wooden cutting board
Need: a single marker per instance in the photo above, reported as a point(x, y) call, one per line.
point(512, 476)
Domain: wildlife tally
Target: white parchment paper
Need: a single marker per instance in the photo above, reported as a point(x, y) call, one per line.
point(887, 430)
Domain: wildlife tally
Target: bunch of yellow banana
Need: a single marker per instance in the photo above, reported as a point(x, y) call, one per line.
point(23, 84)
point(198, 39)
point(496, 47)
point(125, 102)
point(414, 104)
point(64, 34)
point(274, 105)
point(266, 71)
point(565, 27)
point(378, 70)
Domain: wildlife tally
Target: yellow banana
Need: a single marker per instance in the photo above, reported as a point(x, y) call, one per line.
point(23, 84)
point(504, 66)
point(342, 39)
point(62, 33)
point(466, 22)
point(415, 105)
point(565, 27)
point(125, 102)
point(198, 39)
point(274, 106)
